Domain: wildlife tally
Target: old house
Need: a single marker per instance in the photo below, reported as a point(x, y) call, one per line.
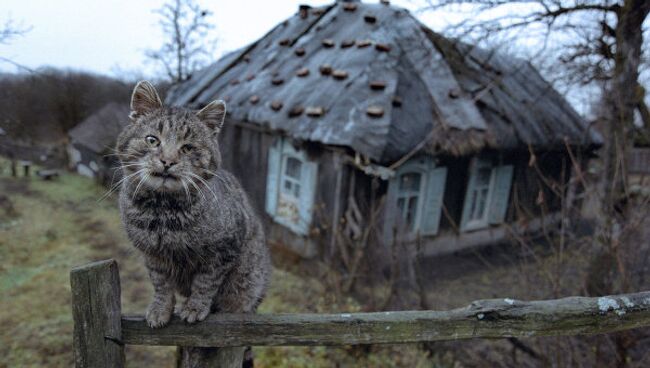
point(354, 117)
point(92, 141)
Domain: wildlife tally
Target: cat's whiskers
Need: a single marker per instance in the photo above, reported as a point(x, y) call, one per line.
point(215, 175)
point(204, 183)
point(187, 191)
point(142, 180)
point(196, 187)
point(117, 185)
point(137, 164)
point(121, 167)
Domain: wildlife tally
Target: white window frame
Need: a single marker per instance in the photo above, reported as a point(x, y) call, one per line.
point(290, 198)
point(430, 196)
point(496, 203)
point(483, 221)
point(418, 194)
point(278, 203)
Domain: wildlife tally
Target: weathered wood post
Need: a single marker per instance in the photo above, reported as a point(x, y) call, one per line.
point(97, 313)
point(26, 165)
point(14, 169)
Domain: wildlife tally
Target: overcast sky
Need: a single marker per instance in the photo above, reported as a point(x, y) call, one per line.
point(110, 37)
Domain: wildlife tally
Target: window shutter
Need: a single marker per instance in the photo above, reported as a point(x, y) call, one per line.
point(500, 194)
point(433, 196)
point(308, 183)
point(273, 176)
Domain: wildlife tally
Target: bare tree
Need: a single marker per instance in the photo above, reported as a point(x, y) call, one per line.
point(189, 41)
point(585, 42)
point(9, 31)
point(593, 41)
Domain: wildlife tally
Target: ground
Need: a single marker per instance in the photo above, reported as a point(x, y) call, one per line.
point(47, 228)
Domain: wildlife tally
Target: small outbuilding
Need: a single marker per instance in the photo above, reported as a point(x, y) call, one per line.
point(354, 123)
point(92, 142)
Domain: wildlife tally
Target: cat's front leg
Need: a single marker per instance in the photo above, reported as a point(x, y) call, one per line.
point(204, 289)
point(161, 307)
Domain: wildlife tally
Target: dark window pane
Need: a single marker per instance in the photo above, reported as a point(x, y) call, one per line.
point(293, 168)
point(410, 212)
point(410, 182)
point(483, 176)
point(472, 209)
point(287, 186)
point(482, 200)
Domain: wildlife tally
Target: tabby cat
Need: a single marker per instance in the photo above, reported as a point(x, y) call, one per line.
point(191, 220)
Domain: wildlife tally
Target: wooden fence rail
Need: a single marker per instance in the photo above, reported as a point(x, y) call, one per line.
point(101, 331)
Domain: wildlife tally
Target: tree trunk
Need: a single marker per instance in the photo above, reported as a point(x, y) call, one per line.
point(621, 100)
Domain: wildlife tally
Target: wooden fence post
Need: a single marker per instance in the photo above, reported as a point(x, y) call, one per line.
point(96, 311)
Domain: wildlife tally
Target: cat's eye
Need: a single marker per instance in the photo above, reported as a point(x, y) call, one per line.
point(152, 141)
point(187, 148)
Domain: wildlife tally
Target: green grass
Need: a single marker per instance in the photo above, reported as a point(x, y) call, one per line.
point(60, 224)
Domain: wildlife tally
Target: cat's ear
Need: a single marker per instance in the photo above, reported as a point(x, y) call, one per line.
point(213, 115)
point(144, 99)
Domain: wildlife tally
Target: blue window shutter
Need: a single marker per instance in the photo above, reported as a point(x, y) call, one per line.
point(500, 194)
point(309, 181)
point(434, 192)
point(273, 176)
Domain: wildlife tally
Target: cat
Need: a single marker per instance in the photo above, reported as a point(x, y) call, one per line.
point(190, 219)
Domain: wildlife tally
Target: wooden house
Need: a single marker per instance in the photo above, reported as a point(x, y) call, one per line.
point(92, 141)
point(356, 116)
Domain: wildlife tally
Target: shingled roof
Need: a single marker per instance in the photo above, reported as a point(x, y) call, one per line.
point(99, 131)
point(373, 78)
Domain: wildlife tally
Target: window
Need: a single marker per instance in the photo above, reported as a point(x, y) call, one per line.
point(290, 187)
point(407, 198)
point(486, 199)
point(415, 198)
point(479, 195)
point(289, 197)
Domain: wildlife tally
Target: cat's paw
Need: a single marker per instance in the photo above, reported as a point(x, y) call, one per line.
point(158, 314)
point(194, 310)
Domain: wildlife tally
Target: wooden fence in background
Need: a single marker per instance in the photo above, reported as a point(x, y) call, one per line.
point(101, 331)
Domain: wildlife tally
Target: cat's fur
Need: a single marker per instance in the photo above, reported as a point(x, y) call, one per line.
point(190, 219)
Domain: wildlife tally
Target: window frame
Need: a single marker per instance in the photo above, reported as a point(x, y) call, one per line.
point(419, 194)
point(484, 221)
point(430, 199)
point(286, 177)
point(279, 154)
point(289, 197)
point(498, 196)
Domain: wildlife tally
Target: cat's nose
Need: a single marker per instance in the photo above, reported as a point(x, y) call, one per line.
point(167, 163)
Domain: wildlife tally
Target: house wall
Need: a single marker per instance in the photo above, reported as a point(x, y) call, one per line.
point(244, 149)
point(524, 201)
point(102, 167)
point(83, 160)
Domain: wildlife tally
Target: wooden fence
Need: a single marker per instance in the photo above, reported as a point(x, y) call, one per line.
point(101, 331)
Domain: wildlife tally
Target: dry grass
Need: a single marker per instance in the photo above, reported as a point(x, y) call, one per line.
point(60, 224)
